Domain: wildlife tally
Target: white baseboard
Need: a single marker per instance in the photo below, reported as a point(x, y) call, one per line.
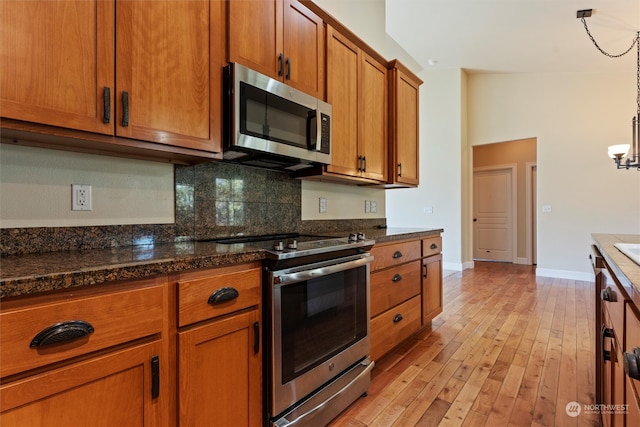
point(565, 274)
point(456, 266)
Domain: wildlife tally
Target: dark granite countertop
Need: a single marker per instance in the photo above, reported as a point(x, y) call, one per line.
point(34, 273)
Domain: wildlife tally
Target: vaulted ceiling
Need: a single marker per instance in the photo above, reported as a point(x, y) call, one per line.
point(514, 35)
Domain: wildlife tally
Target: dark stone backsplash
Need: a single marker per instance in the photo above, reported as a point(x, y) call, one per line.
point(213, 200)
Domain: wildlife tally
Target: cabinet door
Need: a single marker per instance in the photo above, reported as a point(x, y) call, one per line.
point(303, 42)
point(220, 373)
point(405, 140)
point(169, 60)
point(255, 35)
point(372, 104)
point(56, 59)
point(431, 288)
point(632, 384)
point(342, 93)
point(116, 389)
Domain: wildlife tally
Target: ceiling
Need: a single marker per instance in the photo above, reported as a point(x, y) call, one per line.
point(515, 35)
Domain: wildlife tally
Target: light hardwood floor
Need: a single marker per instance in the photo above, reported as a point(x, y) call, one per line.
point(509, 349)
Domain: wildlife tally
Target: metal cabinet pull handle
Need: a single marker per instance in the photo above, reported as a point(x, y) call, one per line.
point(434, 246)
point(397, 254)
point(256, 338)
point(608, 294)
point(396, 278)
point(223, 295)
point(364, 163)
point(359, 163)
point(397, 318)
point(62, 332)
point(155, 377)
point(426, 270)
point(125, 109)
point(632, 363)
point(605, 333)
point(288, 66)
point(399, 170)
point(106, 100)
point(280, 64)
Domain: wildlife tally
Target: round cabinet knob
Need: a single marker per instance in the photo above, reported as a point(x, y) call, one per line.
point(353, 237)
point(278, 246)
point(632, 363)
point(361, 236)
point(293, 245)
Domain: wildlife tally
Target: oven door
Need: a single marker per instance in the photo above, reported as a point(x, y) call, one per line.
point(320, 318)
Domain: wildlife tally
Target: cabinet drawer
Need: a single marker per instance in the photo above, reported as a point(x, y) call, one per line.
point(613, 304)
point(431, 246)
point(393, 326)
point(116, 317)
point(392, 286)
point(394, 254)
point(194, 294)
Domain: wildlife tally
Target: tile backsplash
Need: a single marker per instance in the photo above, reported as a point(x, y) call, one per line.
point(212, 200)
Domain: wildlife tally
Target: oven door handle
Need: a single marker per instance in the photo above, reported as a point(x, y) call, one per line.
point(314, 273)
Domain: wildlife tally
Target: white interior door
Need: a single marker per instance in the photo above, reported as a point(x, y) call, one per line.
point(493, 215)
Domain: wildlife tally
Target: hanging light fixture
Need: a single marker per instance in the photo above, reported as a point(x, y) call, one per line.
point(620, 152)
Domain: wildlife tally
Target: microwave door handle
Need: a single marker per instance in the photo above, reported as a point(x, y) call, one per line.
point(300, 276)
point(311, 117)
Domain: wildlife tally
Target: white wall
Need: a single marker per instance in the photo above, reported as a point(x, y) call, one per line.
point(35, 189)
point(574, 117)
point(343, 201)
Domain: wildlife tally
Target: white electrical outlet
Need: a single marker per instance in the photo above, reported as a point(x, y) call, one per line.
point(80, 197)
point(323, 205)
point(367, 206)
point(427, 209)
point(546, 208)
point(374, 206)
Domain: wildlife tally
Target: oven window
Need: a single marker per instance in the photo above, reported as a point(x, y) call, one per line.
point(268, 116)
point(320, 318)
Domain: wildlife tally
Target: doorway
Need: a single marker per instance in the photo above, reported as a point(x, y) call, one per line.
point(494, 213)
point(521, 154)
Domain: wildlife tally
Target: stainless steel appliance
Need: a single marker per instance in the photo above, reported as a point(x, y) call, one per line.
point(316, 301)
point(271, 125)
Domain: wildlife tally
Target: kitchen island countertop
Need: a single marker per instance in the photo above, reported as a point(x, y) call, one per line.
point(34, 273)
point(625, 269)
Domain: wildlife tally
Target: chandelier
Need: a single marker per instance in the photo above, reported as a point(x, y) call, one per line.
point(620, 152)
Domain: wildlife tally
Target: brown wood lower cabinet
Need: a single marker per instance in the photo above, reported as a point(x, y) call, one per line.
point(219, 357)
point(406, 290)
point(90, 357)
point(219, 372)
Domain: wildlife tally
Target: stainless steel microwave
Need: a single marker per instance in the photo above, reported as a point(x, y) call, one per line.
point(271, 125)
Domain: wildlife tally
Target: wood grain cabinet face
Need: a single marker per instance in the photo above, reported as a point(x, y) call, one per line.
point(115, 389)
point(147, 70)
point(431, 288)
point(282, 39)
point(357, 91)
point(56, 59)
point(404, 137)
point(115, 373)
point(219, 347)
point(632, 384)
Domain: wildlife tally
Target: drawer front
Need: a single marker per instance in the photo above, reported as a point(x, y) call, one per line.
point(395, 285)
point(431, 246)
point(388, 330)
point(613, 303)
point(194, 295)
point(394, 254)
point(116, 317)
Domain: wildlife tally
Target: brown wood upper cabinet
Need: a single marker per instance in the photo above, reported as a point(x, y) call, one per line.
point(357, 92)
point(282, 39)
point(404, 119)
point(139, 70)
